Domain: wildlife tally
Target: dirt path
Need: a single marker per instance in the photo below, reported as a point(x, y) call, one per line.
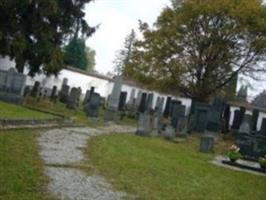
point(62, 152)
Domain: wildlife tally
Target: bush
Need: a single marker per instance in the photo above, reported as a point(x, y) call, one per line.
point(233, 154)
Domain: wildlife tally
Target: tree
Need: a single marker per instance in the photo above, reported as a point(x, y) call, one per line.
point(91, 59)
point(124, 55)
point(33, 31)
point(198, 47)
point(76, 55)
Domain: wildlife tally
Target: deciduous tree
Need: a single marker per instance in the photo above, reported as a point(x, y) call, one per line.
point(198, 47)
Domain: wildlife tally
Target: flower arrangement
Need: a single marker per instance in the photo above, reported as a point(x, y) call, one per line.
point(233, 154)
point(262, 162)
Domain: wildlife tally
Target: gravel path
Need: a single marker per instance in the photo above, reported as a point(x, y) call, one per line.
point(62, 152)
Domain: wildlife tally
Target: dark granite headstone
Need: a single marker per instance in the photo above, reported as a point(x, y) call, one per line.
point(92, 108)
point(167, 107)
point(251, 146)
point(213, 121)
point(36, 89)
point(226, 117)
point(263, 127)
point(64, 93)
point(199, 117)
point(54, 92)
point(122, 101)
point(149, 102)
point(236, 120)
point(255, 116)
point(142, 105)
point(242, 114)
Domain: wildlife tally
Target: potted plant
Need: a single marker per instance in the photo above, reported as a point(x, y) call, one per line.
point(262, 162)
point(233, 154)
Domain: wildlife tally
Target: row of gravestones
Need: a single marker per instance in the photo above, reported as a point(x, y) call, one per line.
point(169, 122)
point(212, 119)
point(252, 143)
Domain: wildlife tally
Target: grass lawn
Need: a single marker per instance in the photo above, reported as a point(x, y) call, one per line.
point(153, 168)
point(11, 111)
point(21, 168)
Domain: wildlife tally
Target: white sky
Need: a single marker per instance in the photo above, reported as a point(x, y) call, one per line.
point(117, 18)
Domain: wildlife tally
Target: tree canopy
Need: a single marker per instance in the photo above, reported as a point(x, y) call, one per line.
point(198, 47)
point(32, 32)
point(80, 56)
point(124, 55)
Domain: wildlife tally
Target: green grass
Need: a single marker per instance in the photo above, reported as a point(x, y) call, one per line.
point(21, 168)
point(153, 168)
point(79, 115)
point(11, 111)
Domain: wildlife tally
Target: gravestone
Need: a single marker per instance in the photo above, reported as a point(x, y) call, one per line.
point(27, 91)
point(226, 117)
point(149, 102)
point(12, 85)
point(213, 121)
point(92, 108)
point(73, 99)
point(54, 94)
point(138, 100)
point(255, 116)
point(113, 101)
point(206, 144)
point(245, 125)
point(173, 104)
point(122, 101)
point(169, 133)
point(144, 124)
point(64, 93)
point(251, 146)
point(158, 115)
point(131, 99)
point(242, 114)
point(167, 107)
point(263, 127)
point(236, 120)
point(199, 118)
point(86, 98)
point(178, 114)
point(65, 81)
point(218, 104)
point(36, 89)
point(179, 119)
point(142, 105)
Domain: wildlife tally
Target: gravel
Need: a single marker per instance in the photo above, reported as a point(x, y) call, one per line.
point(62, 152)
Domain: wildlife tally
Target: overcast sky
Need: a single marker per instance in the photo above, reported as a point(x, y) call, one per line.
point(117, 18)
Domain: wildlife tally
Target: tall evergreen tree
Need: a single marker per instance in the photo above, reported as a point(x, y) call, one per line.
point(33, 32)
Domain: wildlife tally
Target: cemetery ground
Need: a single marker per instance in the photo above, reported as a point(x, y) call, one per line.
point(21, 168)
point(144, 167)
point(11, 111)
point(154, 168)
